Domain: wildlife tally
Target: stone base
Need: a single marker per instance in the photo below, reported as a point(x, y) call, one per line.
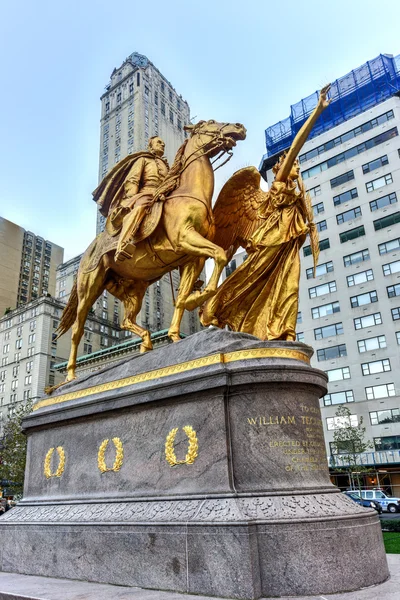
point(205, 475)
point(26, 587)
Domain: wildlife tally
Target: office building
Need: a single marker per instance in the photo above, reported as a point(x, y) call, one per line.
point(350, 313)
point(27, 266)
point(138, 103)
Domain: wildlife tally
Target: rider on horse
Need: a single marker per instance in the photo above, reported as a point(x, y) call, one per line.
point(125, 205)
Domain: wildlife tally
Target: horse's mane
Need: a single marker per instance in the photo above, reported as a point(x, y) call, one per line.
point(171, 181)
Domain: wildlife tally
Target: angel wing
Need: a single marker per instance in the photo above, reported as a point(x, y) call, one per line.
point(239, 209)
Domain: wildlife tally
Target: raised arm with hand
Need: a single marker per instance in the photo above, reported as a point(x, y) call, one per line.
point(302, 135)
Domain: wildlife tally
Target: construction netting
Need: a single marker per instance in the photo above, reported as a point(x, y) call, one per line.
point(359, 90)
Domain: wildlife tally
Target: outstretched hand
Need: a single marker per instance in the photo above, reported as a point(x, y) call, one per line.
point(323, 101)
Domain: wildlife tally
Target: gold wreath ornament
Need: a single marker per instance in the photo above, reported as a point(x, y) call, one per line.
point(119, 457)
point(192, 452)
point(61, 463)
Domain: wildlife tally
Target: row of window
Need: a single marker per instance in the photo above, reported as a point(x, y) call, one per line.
point(341, 139)
point(349, 153)
point(374, 392)
point(368, 368)
point(376, 417)
point(352, 234)
point(366, 345)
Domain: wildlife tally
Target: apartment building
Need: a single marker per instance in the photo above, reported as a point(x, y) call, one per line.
point(27, 266)
point(350, 313)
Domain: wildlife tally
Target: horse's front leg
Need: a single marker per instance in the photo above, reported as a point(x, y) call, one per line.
point(191, 242)
point(188, 277)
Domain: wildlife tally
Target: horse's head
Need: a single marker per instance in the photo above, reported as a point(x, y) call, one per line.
point(216, 136)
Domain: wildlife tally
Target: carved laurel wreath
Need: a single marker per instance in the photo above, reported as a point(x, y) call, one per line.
point(193, 449)
point(119, 457)
point(61, 463)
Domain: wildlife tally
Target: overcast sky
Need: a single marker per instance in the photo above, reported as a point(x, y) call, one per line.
point(232, 61)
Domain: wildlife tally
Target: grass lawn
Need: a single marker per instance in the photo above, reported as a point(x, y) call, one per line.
point(392, 542)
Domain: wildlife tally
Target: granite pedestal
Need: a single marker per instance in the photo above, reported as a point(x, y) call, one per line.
point(213, 480)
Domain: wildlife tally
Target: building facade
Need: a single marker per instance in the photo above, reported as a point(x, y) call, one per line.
point(27, 266)
point(138, 103)
point(29, 350)
point(350, 313)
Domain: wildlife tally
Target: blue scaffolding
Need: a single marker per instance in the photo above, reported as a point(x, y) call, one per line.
point(364, 87)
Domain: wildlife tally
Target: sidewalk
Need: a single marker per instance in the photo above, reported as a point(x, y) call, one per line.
point(27, 587)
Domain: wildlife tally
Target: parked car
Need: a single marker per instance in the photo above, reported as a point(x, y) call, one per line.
point(367, 503)
point(387, 502)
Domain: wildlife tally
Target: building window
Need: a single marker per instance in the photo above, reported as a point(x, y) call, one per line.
point(380, 391)
point(352, 234)
point(389, 246)
point(29, 366)
point(315, 191)
point(27, 394)
point(321, 226)
point(341, 179)
point(338, 398)
point(300, 336)
point(375, 184)
point(318, 208)
point(341, 139)
point(338, 374)
point(396, 314)
point(328, 331)
point(391, 268)
point(163, 108)
point(391, 442)
point(171, 117)
point(131, 88)
point(341, 422)
point(385, 416)
point(299, 317)
point(348, 215)
point(320, 270)
point(138, 79)
point(376, 366)
point(323, 245)
point(331, 352)
point(374, 343)
point(375, 164)
point(393, 290)
point(387, 221)
point(356, 257)
point(18, 344)
point(398, 337)
point(28, 379)
point(320, 290)
point(383, 201)
point(345, 197)
point(146, 90)
point(31, 338)
point(360, 277)
point(6, 348)
point(325, 309)
point(363, 299)
point(119, 97)
point(368, 321)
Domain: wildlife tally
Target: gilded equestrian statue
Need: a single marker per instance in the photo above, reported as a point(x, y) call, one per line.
point(182, 238)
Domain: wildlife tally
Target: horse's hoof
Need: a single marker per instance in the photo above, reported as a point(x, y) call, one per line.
point(174, 337)
point(145, 348)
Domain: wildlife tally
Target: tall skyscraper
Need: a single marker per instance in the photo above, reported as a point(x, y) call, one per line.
point(350, 313)
point(138, 103)
point(28, 266)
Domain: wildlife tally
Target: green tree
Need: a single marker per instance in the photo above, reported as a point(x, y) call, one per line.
point(349, 442)
point(13, 450)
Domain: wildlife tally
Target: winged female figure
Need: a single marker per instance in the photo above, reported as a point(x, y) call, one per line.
point(261, 296)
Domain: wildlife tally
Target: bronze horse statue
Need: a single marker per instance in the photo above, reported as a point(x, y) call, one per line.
point(182, 239)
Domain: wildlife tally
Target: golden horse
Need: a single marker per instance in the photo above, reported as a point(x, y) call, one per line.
point(182, 239)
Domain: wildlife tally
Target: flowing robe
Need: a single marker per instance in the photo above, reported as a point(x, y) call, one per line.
point(261, 296)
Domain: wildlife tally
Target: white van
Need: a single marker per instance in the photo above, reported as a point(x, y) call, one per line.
point(387, 502)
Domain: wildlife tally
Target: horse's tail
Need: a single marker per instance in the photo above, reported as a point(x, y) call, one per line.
point(69, 313)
